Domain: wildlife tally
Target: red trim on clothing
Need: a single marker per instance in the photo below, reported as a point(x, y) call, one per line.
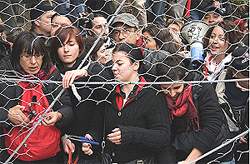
point(119, 98)
point(187, 12)
point(140, 43)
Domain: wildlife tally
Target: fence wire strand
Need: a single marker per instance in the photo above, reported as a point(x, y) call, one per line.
point(15, 18)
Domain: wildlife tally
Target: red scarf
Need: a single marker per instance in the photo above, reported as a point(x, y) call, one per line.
point(39, 75)
point(184, 105)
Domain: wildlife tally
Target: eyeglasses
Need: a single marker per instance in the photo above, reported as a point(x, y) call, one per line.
point(29, 56)
point(123, 31)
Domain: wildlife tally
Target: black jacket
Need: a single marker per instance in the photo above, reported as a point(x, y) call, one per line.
point(214, 129)
point(91, 96)
point(11, 95)
point(143, 122)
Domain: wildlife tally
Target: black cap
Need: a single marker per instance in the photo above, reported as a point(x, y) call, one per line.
point(67, 13)
point(213, 9)
point(39, 9)
point(240, 60)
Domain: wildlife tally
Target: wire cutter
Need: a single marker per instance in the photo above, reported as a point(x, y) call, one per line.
point(81, 139)
point(70, 157)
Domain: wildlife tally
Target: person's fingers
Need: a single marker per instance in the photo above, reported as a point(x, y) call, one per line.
point(66, 79)
point(89, 137)
point(66, 149)
point(116, 130)
point(115, 134)
point(89, 152)
point(73, 147)
point(72, 80)
point(48, 120)
point(117, 143)
point(24, 120)
point(44, 123)
point(114, 138)
point(242, 140)
point(86, 148)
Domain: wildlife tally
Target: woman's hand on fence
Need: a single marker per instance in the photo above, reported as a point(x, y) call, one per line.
point(16, 116)
point(195, 153)
point(242, 140)
point(86, 147)
point(184, 162)
point(67, 145)
point(51, 118)
point(115, 136)
point(70, 76)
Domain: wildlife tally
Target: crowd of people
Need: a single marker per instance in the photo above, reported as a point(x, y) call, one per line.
point(109, 108)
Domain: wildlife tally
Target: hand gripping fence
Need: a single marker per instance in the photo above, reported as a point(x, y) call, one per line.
point(221, 146)
point(60, 93)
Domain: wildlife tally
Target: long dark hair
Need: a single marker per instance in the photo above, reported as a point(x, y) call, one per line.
point(31, 43)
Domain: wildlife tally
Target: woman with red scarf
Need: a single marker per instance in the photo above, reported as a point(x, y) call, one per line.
point(197, 122)
point(25, 101)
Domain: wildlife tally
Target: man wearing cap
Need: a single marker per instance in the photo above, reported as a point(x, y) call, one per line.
point(126, 28)
point(212, 16)
point(40, 16)
point(234, 99)
point(62, 18)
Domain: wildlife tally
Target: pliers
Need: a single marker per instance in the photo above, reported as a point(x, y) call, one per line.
point(70, 157)
point(81, 139)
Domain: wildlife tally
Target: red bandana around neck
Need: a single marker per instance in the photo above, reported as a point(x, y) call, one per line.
point(184, 105)
point(39, 75)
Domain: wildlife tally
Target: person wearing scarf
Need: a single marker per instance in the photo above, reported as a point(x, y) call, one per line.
point(196, 118)
point(29, 61)
point(219, 43)
point(67, 54)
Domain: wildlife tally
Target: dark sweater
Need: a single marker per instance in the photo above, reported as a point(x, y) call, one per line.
point(11, 95)
point(12, 92)
point(143, 122)
point(90, 96)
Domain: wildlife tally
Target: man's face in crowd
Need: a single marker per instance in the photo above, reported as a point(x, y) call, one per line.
point(44, 23)
point(125, 34)
point(212, 18)
point(59, 21)
point(98, 25)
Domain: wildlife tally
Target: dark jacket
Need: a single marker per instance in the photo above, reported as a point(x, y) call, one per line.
point(143, 122)
point(235, 104)
point(90, 97)
point(11, 95)
point(214, 129)
point(11, 91)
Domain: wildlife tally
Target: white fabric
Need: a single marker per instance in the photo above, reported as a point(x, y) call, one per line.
point(213, 67)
